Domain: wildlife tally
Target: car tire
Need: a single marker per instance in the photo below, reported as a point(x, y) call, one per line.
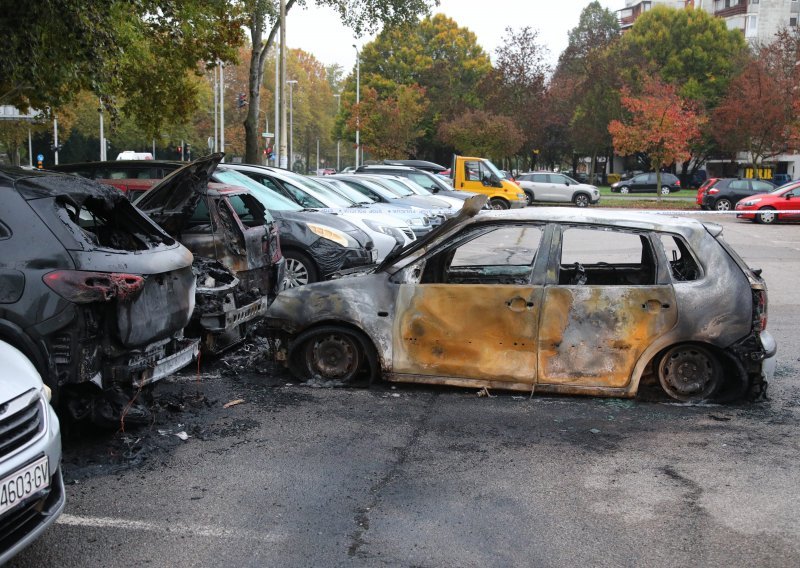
point(498, 203)
point(665, 190)
point(299, 271)
point(336, 355)
point(766, 216)
point(723, 204)
point(690, 373)
point(528, 197)
point(624, 189)
point(581, 200)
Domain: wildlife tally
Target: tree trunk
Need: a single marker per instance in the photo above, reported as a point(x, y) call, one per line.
point(658, 185)
point(258, 60)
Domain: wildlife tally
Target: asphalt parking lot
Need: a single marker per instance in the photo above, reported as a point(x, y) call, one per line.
point(297, 475)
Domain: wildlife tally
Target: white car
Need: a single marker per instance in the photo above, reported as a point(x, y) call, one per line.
point(551, 187)
point(385, 231)
point(31, 488)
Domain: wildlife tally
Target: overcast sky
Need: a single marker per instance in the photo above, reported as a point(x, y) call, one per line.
point(318, 30)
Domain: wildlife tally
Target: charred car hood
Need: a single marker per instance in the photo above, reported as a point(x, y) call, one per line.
point(173, 200)
point(471, 208)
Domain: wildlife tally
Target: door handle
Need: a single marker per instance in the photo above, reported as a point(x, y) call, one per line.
point(654, 306)
point(518, 304)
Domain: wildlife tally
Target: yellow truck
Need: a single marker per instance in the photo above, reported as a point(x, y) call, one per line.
point(479, 175)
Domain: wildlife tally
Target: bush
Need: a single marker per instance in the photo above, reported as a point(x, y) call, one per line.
point(612, 178)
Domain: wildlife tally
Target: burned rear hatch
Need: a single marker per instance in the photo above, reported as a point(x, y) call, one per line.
point(127, 294)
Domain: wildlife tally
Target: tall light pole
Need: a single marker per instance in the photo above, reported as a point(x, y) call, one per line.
point(282, 82)
point(358, 100)
point(103, 156)
point(291, 83)
point(338, 109)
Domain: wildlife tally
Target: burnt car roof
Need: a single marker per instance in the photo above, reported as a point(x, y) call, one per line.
point(32, 184)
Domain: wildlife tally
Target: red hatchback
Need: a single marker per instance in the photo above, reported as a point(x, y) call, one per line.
point(770, 205)
point(703, 189)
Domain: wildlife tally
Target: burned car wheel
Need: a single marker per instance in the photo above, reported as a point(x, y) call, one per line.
point(299, 271)
point(690, 373)
point(332, 354)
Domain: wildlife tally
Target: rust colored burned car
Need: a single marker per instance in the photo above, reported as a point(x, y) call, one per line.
point(542, 300)
point(94, 293)
point(238, 260)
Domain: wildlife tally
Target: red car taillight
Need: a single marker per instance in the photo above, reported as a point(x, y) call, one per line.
point(713, 190)
point(83, 287)
point(760, 310)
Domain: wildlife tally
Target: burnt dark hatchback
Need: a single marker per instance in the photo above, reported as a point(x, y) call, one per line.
point(94, 293)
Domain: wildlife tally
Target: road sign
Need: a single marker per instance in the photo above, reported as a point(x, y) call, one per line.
point(267, 134)
point(40, 158)
point(210, 143)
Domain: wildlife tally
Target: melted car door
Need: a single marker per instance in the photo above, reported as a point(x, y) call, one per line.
point(474, 313)
point(602, 308)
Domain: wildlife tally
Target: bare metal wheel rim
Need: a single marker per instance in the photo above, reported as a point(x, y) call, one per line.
point(624, 190)
point(723, 205)
point(296, 274)
point(333, 356)
point(689, 373)
point(581, 201)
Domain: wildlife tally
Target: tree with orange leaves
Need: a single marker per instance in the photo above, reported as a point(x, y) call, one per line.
point(660, 123)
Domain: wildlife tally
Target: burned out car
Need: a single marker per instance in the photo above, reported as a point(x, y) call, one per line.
point(93, 292)
point(238, 259)
point(543, 300)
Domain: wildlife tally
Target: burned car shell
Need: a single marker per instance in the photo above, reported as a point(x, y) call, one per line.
point(90, 289)
point(541, 329)
point(226, 227)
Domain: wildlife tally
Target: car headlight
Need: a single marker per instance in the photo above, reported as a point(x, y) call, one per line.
point(48, 394)
point(750, 202)
point(521, 196)
point(332, 234)
point(385, 229)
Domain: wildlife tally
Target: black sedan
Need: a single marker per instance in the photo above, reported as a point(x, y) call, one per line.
point(725, 193)
point(647, 183)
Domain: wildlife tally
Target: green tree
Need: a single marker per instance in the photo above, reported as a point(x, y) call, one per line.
point(691, 49)
point(517, 84)
point(262, 20)
point(140, 57)
point(435, 54)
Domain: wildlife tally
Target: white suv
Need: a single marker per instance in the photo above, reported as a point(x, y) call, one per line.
point(550, 187)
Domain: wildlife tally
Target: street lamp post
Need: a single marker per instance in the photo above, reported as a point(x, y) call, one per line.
point(291, 84)
point(358, 100)
point(338, 140)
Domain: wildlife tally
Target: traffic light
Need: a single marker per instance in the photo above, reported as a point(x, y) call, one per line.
point(179, 151)
point(188, 151)
point(241, 100)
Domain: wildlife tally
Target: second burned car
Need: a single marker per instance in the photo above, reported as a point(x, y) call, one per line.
point(546, 300)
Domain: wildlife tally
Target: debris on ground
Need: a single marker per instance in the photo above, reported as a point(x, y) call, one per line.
point(233, 403)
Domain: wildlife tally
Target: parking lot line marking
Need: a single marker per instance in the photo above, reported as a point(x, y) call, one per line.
point(184, 529)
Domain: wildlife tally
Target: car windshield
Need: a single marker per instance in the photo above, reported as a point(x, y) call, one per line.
point(570, 180)
point(349, 192)
point(492, 168)
point(324, 193)
point(414, 186)
point(269, 198)
point(378, 188)
point(395, 186)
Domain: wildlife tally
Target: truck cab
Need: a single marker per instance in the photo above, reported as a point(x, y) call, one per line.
point(480, 175)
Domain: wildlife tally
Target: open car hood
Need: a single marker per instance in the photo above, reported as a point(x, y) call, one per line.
point(171, 202)
point(471, 208)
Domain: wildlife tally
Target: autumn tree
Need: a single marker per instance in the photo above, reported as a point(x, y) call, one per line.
point(262, 20)
point(660, 122)
point(755, 114)
point(481, 133)
point(390, 125)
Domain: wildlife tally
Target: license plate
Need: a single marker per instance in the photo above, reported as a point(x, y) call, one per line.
point(23, 483)
point(373, 255)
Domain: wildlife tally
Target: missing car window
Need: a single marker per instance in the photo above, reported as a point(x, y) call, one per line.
point(605, 256)
point(682, 264)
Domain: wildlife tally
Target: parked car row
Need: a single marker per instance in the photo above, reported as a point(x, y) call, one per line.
point(722, 194)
